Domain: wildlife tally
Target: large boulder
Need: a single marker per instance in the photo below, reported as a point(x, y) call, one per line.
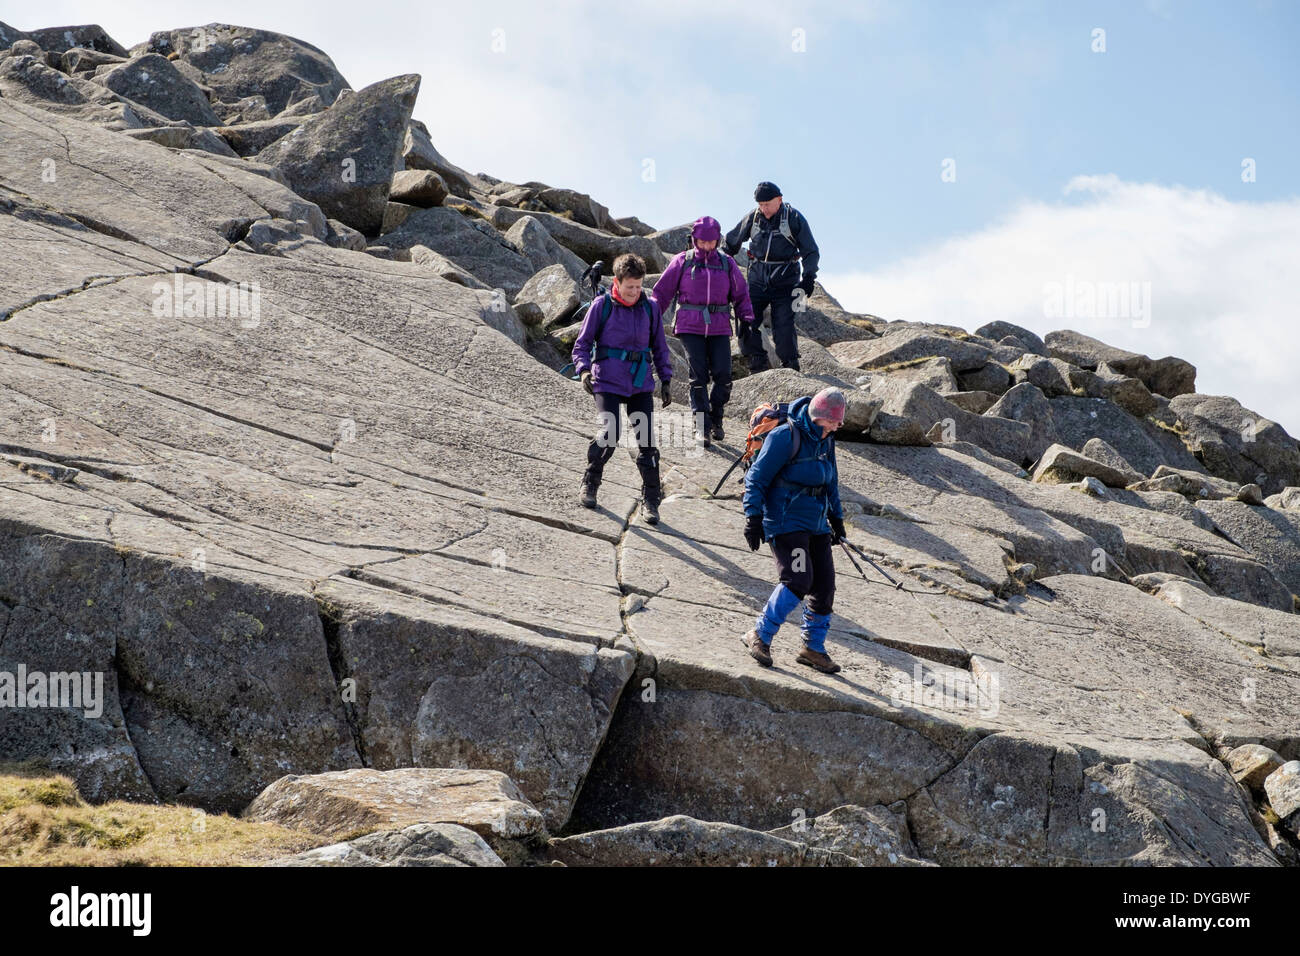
point(583, 208)
point(1273, 537)
point(420, 844)
point(250, 138)
point(923, 406)
point(418, 187)
point(999, 330)
point(904, 343)
point(1168, 376)
point(90, 36)
point(418, 152)
point(469, 242)
point(531, 240)
point(353, 801)
point(343, 159)
point(549, 298)
point(587, 243)
point(29, 79)
point(1062, 465)
point(237, 62)
point(1145, 445)
point(151, 80)
point(1233, 442)
point(1026, 403)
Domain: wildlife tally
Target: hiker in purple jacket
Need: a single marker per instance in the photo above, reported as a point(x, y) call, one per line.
point(706, 283)
point(624, 330)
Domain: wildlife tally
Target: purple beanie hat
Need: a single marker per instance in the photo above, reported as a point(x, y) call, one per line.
point(829, 404)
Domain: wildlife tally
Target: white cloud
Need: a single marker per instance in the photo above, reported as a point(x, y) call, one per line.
point(1222, 276)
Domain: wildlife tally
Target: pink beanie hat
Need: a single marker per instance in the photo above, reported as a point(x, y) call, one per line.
point(829, 403)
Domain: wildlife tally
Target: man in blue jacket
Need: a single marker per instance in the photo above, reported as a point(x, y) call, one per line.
point(783, 256)
point(792, 501)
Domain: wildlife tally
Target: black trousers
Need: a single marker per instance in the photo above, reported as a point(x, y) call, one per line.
point(640, 414)
point(805, 565)
point(709, 357)
point(783, 333)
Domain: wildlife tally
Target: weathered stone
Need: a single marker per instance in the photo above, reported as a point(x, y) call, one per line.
point(584, 209)
point(151, 80)
point(421, 844)
point(250, 138)
point(343, 159)
point(684, 841)
point(1288, 499)
point(975, 402)
point(674, 240)
point(1047, 374)
point(528, 237)
point(1283, 789)
point(1273, 537)
point(238, 62)
point(418, 152)
point(182, 136)
point(1125, 391)
point(1233, 442)
point(587, 243)
point(1250, 764)
point(467, 241)
point(354, 801)
point(907, 343)
point(990, 377)
point(418, 187)
point(873, 836)
point(1025, 403)
point(998, 330)
point(1005, 438)
point(549, 298)
point(1143, 444)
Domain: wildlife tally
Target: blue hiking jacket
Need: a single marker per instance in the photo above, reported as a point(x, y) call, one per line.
point(784, 491)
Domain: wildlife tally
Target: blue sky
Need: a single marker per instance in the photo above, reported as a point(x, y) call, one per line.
point(1118, 166)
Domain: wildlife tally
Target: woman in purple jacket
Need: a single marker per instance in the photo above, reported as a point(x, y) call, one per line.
point(706, 284)
point(625, 330)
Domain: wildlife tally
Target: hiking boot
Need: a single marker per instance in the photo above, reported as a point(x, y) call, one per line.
point(647, 462)
point(597, 455)
point(757, 649)
point(588, 499)
point(715, 432)
point(817, 659)
point(702, 437)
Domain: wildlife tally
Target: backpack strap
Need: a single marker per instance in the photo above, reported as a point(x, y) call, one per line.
point(785, 226)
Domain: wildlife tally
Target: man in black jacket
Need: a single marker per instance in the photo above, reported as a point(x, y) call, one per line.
point(779, 243)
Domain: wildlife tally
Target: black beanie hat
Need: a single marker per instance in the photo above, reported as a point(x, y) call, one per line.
point(766, 191)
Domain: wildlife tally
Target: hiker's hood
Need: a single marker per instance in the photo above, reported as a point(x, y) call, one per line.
point(799, 414)
point(706, 228)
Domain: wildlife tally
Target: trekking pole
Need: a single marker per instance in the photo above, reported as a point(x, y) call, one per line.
point(726, 473)
point(898, 585)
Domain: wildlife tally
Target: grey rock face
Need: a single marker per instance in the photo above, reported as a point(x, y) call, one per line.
point(312, 511)
point(152, 81)
point(343, 159)
point(421, 844)
point(237, 62)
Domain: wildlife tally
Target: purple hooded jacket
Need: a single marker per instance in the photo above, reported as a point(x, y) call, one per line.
point(708, 280)
point(627, 328)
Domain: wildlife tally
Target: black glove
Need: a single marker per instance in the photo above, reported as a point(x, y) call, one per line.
point(754, 531)
point(837, 530)
point(806, 283)
point(586, 383)
point(665, 395)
